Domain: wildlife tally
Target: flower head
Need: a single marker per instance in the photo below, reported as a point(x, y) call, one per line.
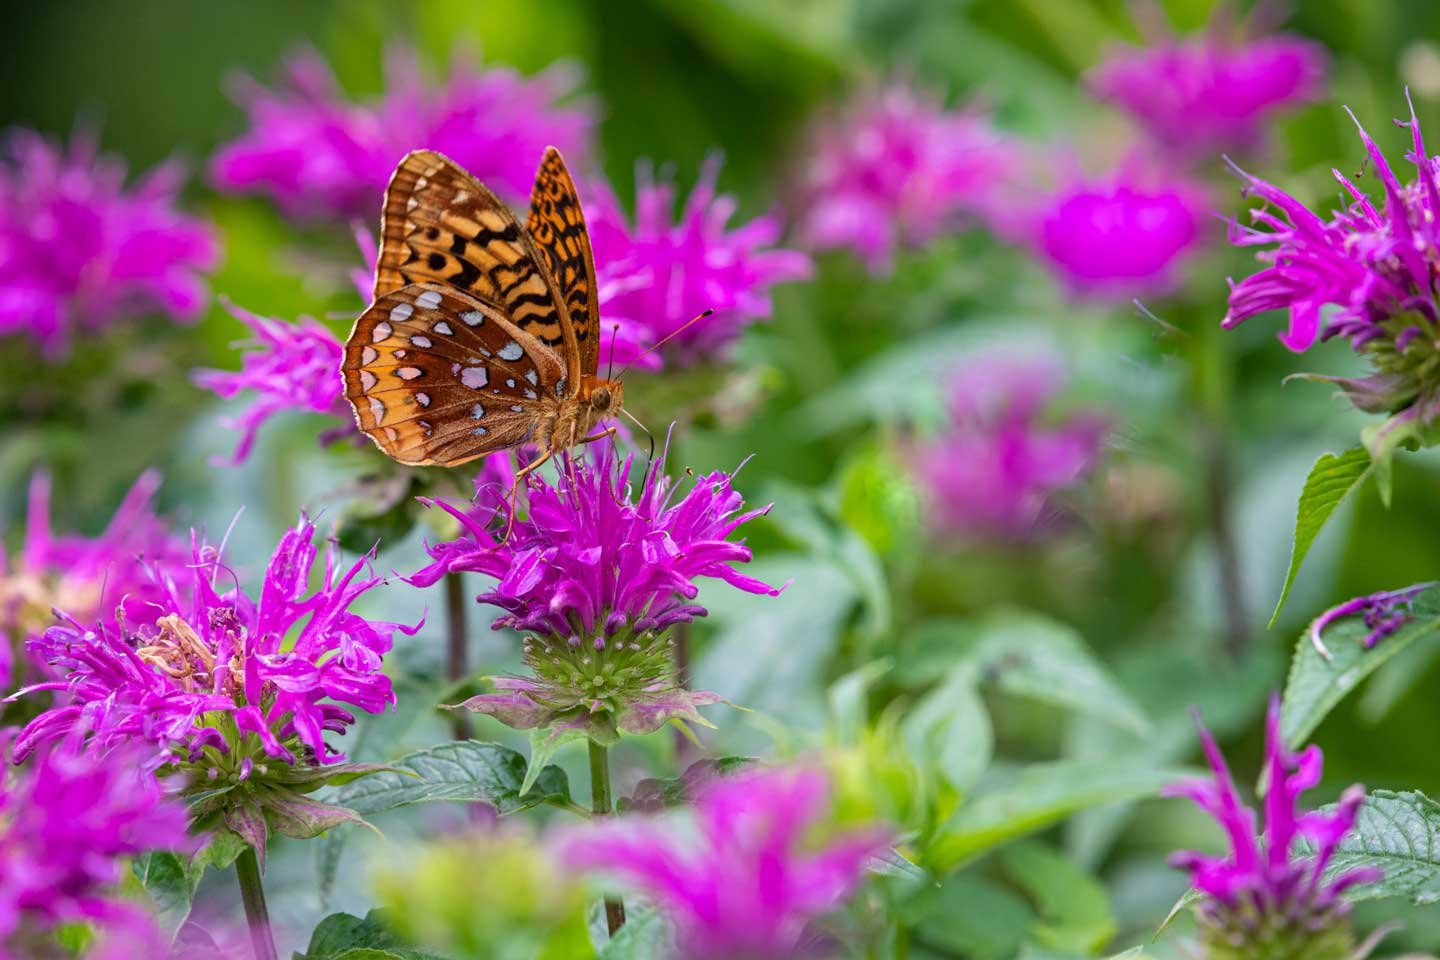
point(993, 472)
point(897, 168)
point(744, 876)
point(1202, 96)
point(318, 154)
point(93, 577)
point(68, 821)
point(78, 250)
point(657, 275)
point(218, 679)
point(1259, 896)
point(296, 367)
point(597, 575)
point(1119, 237)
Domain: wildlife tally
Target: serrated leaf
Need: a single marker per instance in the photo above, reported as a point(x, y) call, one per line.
point(171, 884)
point(1037, 797)
point(1316, 685)
point(465, 771)
point(1330, 481)
point(1400, 834)
point(343, 936)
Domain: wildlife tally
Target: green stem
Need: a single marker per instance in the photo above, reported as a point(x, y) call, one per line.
point(247, 871)
point(602, 806)
point(456, 660)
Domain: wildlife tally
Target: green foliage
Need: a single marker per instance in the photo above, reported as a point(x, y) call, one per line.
point(342, 936)
point(1330, 481)
point(467, 772)
point(1398, 832)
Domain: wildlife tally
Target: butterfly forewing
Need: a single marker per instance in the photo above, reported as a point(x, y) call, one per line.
point(441, 225)
point(437, 376)
point(557, 226)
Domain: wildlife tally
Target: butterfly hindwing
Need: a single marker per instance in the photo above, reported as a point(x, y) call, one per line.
point(557, 226)
point(441, 225)
point(437, 376)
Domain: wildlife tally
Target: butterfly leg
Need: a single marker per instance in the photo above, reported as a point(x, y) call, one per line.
point(515, 491)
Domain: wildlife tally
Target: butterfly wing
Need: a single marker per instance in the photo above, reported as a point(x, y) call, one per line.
point(439, 377)
point(441, 225)
point(557, 226)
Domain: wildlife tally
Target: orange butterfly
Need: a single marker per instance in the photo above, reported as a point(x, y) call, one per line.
point(483, 335)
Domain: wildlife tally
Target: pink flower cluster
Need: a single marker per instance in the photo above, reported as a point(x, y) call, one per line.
point(79, 251)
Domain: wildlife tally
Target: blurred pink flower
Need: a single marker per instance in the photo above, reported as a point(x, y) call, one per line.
point(1262, 890)
point(743, 876)
point(105, 576)
point(658, 275)
point(296, 367)
point(318, 154)
point(1120, 237)
point(1201, 96)
point(992, 473)
point(896, 168)
point(69, 821)
point(79, 251)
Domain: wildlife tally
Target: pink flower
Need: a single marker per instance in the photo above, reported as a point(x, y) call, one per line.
point(993, 472)
point(1120, 237)
point(297, 367)
point(217, 673)
point(68, 823)
point(93, 577)
point(1262, 888)
point(744, 876)
point(895, 169)
point(320, 155)
point(658, 275)
point(78, 251)
point(1202, 96)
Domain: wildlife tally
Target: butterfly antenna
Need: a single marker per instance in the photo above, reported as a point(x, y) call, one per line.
point(649, 457)
point(664, 340)
point(614, 335)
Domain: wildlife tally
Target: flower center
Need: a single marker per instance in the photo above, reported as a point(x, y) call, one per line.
point(610, 670)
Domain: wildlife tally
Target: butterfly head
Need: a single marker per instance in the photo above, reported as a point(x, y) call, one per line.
point(607, 398)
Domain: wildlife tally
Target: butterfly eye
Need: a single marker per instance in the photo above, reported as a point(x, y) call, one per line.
point(600, 399)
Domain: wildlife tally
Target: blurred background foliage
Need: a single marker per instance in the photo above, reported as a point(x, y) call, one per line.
point(847, 371)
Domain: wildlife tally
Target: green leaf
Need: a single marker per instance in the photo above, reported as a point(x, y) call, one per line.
point(1316, 684)
point(948, 731)
point(171, 884)
point(1029, 655)
point(1400, 834)
point(849, 700)
point(223, 847)
point(342, 936)
point(1330, 481)
point(543, 745)
point(653, 796)
point(466, 771)
point(1074, 910)
point(1038, 796)
point(645, 936)
point(973, 917)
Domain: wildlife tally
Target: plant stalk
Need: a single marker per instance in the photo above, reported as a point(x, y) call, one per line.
point(602, 806)
point(257, 914)
point(457, 666)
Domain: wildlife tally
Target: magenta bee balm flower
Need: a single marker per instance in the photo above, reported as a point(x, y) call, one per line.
point(1121, 237)
point(897, 169)
point(68, 822)
point(1202, 96)
point(1376, 266)
point(595, 576)
point(657, 274)
point(992, 474)
point(296, 367)
point(79, 251)
point(744, 875)
point(1261, 901)
point(318, 154)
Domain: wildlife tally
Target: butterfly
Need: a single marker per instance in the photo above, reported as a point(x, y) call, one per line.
point(483, 334)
